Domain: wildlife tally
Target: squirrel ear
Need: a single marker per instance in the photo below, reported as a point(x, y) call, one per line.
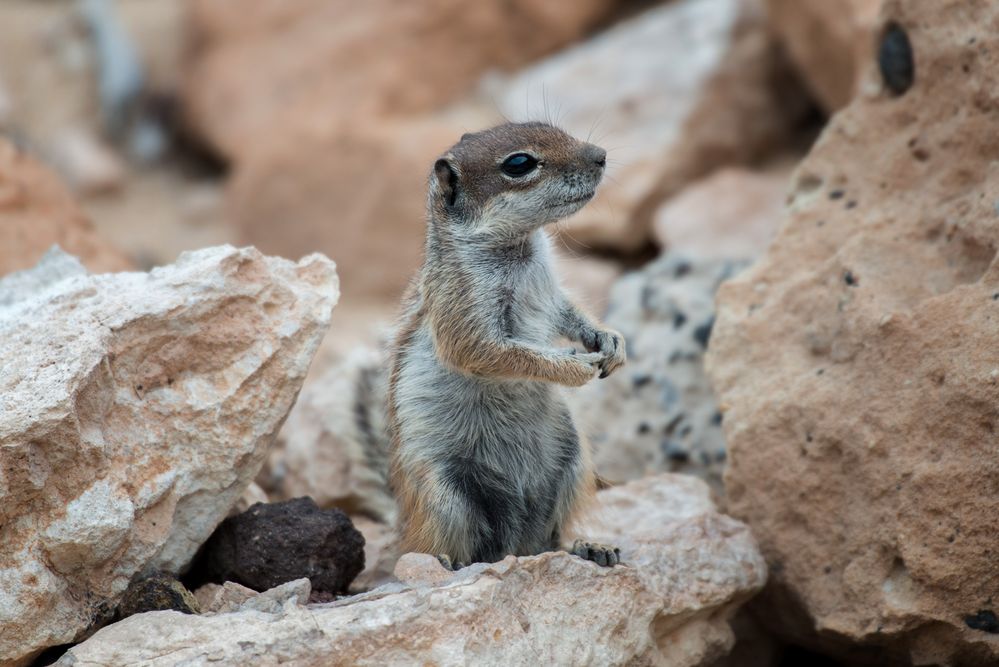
point(447, 180)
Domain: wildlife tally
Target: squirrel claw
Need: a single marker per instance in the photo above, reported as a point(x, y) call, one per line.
point(601, 554)
point(445, 560)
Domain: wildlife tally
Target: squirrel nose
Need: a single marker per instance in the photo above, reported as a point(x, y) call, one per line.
point(596, 155)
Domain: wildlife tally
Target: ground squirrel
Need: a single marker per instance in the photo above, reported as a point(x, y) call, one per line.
point(485, 458)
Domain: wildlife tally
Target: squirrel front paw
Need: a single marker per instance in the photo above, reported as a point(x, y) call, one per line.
point(611, 345)
point(601, 554)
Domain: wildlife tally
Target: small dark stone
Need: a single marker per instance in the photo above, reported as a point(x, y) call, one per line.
point(679, 319)
point(641, 380)
point(702, 334)
point(985, 620)
point(682, 269)
point(849, 279)
point(648, 297)
point(720, 455)
point(157, 592)
point(271, 544)
point(716, 418)
point(837, 194)
point(851, 204)
point(685, 431)
point(895, 59)
point(820, 371)
point(644, 428)
point(995, 297)
point(827, 569)
point(674, 452)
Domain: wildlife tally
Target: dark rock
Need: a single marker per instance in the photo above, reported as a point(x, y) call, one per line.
point(895, 60)
point(157, 592)
point(271, 544)
point(985, 620)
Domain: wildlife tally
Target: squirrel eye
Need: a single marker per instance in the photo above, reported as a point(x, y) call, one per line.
point(518, 165)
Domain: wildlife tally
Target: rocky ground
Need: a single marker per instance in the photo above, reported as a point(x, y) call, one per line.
point(796, 238)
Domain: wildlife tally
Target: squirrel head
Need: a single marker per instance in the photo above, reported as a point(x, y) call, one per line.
point(509, 180)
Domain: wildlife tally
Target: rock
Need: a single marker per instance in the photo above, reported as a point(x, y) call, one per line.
point(673, 93)
point(686, 570)
point(658, 413)
point(858, 361)
point(253, 65)
point(157, 592)
point(311, 187)
point(829, 41)
point(230, 596)
point(37, 211)
point(732, 214)
point(381, 551)
point(251, 495)
point(334, 446)
point(134, 410)
point(272, 544)
point(88, 163)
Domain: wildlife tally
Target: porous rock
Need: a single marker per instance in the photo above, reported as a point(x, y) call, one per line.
point(134, 410)
point(686, 570)
point(37, 211)
point(272, 544)
point(673, 93)
point(859, 364)
point(658, 412)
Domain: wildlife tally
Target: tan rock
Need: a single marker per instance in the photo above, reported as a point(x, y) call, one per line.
point(686, 570)
point(256, 62)
point(37, 211)
point(673, 94)
point(859, 363)
point(135, 408)
point(381, 551)
point(658, 413)
point(357, 193)
point(731, 214)
point(830, 42)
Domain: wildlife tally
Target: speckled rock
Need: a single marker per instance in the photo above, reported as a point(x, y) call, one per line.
point(272, 544)
point(658, 413)
point(673, 93)
point(134, 410)
point(859, 362)
point(686, 570)
point(37, 211)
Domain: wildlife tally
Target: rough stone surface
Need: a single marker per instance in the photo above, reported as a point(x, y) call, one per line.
point(37, 211)
point(859, 364)
point(254, 63)
point(829, 41)
point(732, 214)
point(673, 94)
point(272, 544)
point(157, 592)
point(659, 413)
point(686, 570)
point(134, 410)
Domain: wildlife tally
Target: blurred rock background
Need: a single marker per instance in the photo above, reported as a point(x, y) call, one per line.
point(133, 130)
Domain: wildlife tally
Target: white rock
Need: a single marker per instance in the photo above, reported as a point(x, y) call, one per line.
point(135, 408)
point(686, 570)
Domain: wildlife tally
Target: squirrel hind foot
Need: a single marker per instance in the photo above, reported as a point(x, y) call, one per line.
point(445, 560)
point(601, 554)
